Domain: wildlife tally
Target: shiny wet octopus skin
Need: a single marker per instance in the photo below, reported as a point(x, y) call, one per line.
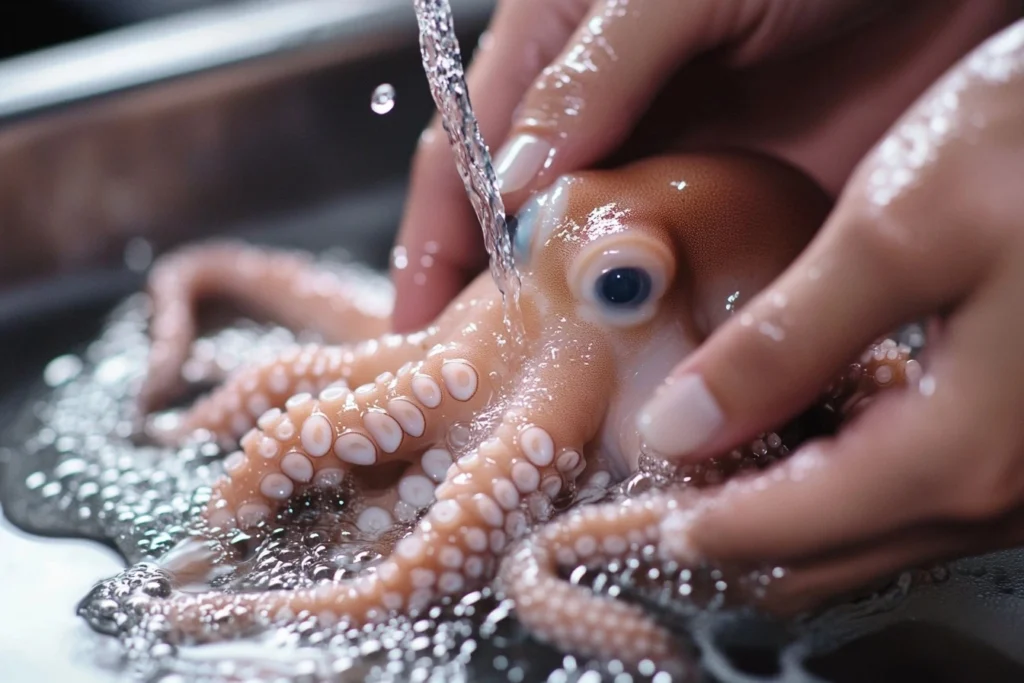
point(624, 272)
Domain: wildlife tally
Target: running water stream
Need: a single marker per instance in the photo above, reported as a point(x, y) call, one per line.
point(442, 62)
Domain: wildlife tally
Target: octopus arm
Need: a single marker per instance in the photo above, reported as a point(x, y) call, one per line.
point(286, 286)
point(262, 390)
point(884, 365)
point(487, 499)
point(576, 619)
point(320, 439)
point(573, 618)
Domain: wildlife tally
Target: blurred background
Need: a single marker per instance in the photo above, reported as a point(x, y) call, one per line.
point(130, 126)
point(41, 24)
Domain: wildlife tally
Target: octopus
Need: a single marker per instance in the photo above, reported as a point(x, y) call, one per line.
point(471, 435)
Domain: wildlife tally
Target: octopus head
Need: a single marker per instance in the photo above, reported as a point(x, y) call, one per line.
point(663, 241)
point(645, 261)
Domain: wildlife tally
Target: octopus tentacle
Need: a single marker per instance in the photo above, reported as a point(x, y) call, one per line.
point(489, 497)
point(564, 615)
point(270, 281)
point(234, 407)
point(884, 365)
point(395, 418)
point(887, 364)
point(404, 502)
point(574, 618)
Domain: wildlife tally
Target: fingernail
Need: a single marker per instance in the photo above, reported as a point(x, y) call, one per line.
point(681, 417)
point(519, 161)
point(675, 543)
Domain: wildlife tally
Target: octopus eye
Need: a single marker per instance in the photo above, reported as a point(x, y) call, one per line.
point(626, 287)
point(619, 280)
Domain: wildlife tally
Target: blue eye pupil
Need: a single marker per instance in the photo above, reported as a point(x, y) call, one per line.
point(624, 286)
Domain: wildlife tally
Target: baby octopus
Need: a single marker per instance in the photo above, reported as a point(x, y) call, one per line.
point(624, 272)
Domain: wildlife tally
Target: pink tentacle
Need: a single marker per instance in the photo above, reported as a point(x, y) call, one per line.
point(490, 497)
point(574, 618)
point(395, 418)
point(232, 409)
point(284, 285)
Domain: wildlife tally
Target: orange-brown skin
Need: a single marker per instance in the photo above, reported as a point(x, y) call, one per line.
point(709, 230)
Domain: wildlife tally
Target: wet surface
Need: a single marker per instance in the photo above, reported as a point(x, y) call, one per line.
point(73, 469)
point(43, 639)
point(917, 651)
point(76, 469)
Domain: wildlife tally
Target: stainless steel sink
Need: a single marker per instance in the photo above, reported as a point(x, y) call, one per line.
point(246, 117)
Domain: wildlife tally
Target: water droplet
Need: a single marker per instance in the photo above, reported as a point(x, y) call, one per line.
point(730, 302)
point(383, 99)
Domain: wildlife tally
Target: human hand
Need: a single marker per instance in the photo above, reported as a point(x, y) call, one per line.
point(561, 84)
point(931, 224)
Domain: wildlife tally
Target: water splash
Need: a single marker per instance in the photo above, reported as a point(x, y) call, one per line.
point(442, 63)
